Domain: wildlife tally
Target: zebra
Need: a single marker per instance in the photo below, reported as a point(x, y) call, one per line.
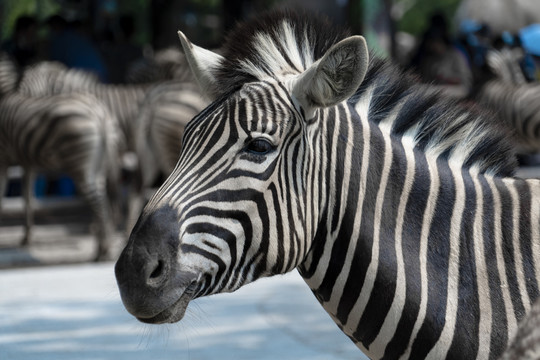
point(397, 206)
point(519, 108)
point(164, 114)
point(70, 133)
point(513, 100)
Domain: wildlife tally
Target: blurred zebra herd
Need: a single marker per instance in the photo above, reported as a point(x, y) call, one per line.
point(56, 119)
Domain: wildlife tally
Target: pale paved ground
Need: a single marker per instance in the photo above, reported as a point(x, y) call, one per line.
point(74, 312)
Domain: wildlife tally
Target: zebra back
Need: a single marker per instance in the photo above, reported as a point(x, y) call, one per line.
point(123, 101)
point(50, 78)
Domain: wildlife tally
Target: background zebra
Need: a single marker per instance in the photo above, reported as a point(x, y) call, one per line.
point(71, 133)
point(395, 205)
point(164, 114)
point(9, 75)
point(166, 110)
point(513, 100)
point(123, 101)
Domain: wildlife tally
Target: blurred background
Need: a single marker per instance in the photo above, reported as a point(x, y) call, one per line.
point(121, 31)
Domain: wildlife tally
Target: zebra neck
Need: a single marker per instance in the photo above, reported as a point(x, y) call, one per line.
point(416, 246)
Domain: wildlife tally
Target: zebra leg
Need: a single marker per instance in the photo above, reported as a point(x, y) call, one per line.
point(3, 184)
point(28, 182)
point(95, 196)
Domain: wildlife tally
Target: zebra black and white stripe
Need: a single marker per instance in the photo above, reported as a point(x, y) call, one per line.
point(68, 133)
point(396, 206)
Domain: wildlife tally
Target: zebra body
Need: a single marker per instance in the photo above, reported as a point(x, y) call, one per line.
point(393, 204)
point(70, 133)
point(123, 101)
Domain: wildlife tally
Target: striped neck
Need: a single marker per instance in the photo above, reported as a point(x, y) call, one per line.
point(395, 248)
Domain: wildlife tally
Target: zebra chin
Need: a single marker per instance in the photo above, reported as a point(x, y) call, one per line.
point(173, 313)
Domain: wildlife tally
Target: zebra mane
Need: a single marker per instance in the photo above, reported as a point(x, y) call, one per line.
point(284, 42)
point(274, 45)
point(462, 133)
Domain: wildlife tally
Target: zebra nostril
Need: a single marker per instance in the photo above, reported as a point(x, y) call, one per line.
point(158, 270)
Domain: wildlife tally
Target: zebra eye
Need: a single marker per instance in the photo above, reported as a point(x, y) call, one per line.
point(259, 146)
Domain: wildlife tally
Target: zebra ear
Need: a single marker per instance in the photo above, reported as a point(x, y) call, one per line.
point(333, 78)
point(202, 62)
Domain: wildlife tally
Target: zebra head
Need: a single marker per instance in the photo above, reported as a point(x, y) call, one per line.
point(241, 203)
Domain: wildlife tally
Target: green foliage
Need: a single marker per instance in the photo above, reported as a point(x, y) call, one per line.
point(15, 8)
point(416, 20)
point(139, 9)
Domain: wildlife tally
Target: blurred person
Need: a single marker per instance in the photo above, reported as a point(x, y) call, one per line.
point(119, 50)
point(440, 62)
point(70, 46)
point(23, 45)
